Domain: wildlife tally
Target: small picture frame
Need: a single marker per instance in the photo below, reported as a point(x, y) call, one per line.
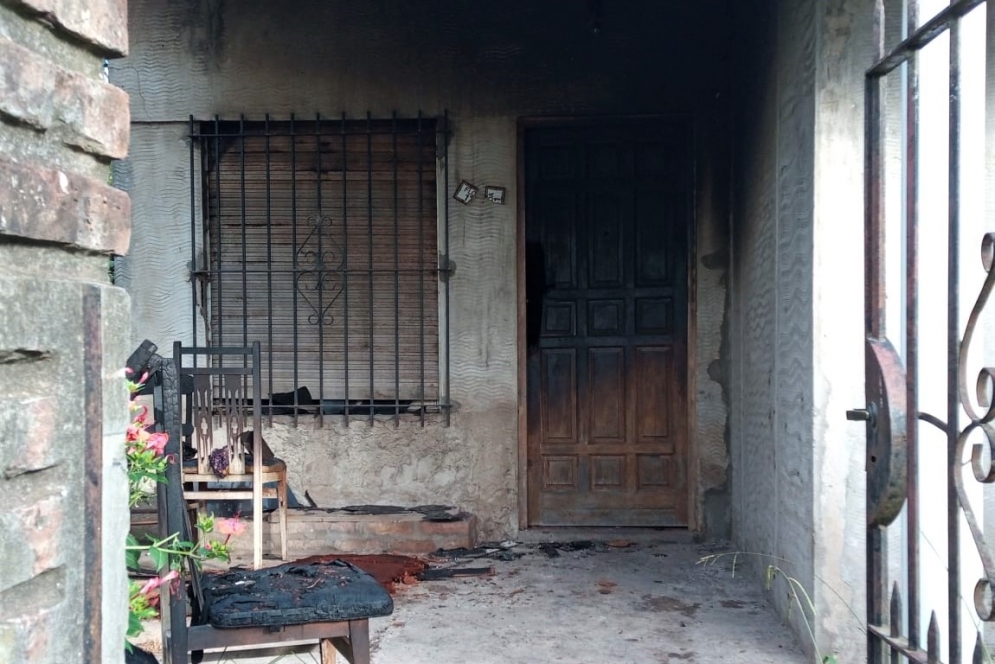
point(465, 192)
point(494, 194)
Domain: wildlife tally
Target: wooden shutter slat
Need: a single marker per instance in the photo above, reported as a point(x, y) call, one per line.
point(238, 206)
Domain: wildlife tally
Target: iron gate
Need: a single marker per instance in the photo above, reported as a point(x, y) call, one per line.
point(892, 414)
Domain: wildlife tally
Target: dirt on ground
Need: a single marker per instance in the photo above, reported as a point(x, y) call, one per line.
point(577, 603)
point(389, 570)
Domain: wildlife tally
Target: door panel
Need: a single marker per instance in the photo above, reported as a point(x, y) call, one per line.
point(608, 211)
point(559, 395)
point(606, 377)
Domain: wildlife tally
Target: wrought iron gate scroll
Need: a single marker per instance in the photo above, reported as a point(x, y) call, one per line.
point(892, 415)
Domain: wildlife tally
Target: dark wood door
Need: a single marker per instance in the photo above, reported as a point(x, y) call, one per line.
point(607, 217)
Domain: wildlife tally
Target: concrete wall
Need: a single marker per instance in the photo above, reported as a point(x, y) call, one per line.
point(64, 334)
point(489, 63)
point(797, 313)
point(772, 440)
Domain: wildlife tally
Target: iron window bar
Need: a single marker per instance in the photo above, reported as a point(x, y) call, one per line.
point(312, 268)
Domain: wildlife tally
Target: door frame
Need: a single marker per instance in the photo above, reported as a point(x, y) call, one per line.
point(691, 471)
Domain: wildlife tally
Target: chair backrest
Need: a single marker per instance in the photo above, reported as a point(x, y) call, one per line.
point(172, 507)
point(215, 383)
point(175, 518)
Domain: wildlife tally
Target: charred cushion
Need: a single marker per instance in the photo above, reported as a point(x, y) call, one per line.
point(293, 594)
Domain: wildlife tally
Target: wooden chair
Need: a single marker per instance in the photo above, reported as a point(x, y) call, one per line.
point(330, 604)
point(216, 411)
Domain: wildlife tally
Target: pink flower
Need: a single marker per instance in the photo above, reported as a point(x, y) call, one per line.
point(230, 526)
point(157, 442)
point(157, 581)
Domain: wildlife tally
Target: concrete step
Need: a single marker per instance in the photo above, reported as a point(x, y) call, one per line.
point(318, 532)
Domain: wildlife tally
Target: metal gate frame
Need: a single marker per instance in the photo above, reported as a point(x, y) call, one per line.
point(892, 416)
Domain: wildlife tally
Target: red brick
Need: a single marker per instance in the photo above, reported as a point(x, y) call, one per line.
point(336, 545)
point(364, 534)
point(39, 525)
point(398, 527)
point(311, 528)
point(339, 527)
point(411, 547)
point(28, 426)
point(90, 115)
point(43, 204)
point(101, 23)
point(460, 527)
point(28, 637)
point(450, 541)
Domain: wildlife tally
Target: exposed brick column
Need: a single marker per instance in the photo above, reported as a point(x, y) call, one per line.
point(64, 333)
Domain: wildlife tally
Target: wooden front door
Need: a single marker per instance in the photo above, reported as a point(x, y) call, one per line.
point(607, 220)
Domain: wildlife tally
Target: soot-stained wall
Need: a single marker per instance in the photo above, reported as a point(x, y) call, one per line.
point(489, 63)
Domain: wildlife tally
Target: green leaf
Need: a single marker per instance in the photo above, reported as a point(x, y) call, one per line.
point(159, 557)
point(205, 523)
point(134, 625)
point(131, 556)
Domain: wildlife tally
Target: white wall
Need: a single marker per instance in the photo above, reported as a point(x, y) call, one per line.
point(798, 307)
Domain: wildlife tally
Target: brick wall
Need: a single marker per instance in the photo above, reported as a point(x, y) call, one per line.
point(320, 532)
point(64, 333)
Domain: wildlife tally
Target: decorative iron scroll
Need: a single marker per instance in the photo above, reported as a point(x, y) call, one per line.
point(320, 261)
point(983, 465)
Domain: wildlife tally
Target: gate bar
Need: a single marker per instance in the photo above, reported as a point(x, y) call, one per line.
point(193, 232)
point(320, 277)
point(269, 276)
point(421, 265)
point(446, 401)
point(297, 274)
point(345, 271)
point(953, 348)
point(927, 33)
point(397, 282)
point(217, 249)
point(369, 221)
point(912, 328)
point(242, 219)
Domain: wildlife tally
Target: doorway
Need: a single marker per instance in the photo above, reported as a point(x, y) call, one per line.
point(608, 214)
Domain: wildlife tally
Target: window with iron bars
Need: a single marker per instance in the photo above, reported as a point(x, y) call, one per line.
point(321, 239)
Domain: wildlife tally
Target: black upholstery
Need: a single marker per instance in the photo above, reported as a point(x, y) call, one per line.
point(293, 594)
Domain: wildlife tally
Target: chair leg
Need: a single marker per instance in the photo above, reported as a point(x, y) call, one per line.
point(359, 640)
point(328, 652)
point(282, 491)
point(257, 525)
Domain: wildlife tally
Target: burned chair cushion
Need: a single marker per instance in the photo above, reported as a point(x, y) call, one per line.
point(293, 594)
point(270, 465)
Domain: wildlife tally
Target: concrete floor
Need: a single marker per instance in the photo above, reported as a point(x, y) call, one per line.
point(646, 603)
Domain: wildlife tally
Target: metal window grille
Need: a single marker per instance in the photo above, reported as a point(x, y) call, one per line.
point(323, 239)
